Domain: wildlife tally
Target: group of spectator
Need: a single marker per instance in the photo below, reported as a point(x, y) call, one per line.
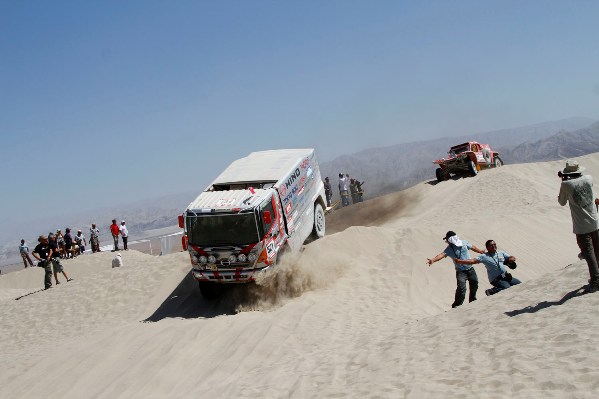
point(347, 187)
point(67, 246)
point(54, 247)
point(576, 190)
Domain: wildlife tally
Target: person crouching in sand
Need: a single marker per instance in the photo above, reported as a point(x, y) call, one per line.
point(458, 249)
point(495, 262)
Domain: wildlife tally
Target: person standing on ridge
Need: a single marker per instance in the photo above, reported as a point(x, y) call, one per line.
point(458, 249)
point(114, 230)
point(24, 251)
point(124, 234)
point(328, 191)
point(576, 190)
point(94, 238)
point(344, 189)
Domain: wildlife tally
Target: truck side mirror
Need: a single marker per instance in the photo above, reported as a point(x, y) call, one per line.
point(181, 221)
point(266, 217)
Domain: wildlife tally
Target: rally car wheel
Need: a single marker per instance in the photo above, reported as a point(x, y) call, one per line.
point(498, 162)
point(472, 168)
point(441, 175)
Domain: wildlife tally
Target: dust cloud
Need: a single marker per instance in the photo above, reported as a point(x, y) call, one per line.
point(315, 268)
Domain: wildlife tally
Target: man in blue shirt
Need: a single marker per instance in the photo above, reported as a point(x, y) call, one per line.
point(458, 249)
point(494, 262)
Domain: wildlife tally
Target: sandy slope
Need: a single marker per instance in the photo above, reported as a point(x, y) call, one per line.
point(359, 314)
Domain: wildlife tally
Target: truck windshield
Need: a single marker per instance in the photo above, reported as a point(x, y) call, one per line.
point(222, 229)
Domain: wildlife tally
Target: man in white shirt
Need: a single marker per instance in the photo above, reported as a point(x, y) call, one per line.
point(344, 189)
point(124, 234)
point(577, 191)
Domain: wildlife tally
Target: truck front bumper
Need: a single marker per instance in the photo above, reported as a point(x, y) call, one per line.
point(228, 276)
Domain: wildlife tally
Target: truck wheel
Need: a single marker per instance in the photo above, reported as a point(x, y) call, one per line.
point(209, 289)
point(319, 222)
point(440, 175)
point(498, 162)
point(472, 168)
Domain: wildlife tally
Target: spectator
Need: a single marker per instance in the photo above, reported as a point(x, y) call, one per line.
point(124, 234)
point(359, 191)
point(328, 191)
point(68, 243)
point(94, 238)
point(344, 189)
point(576, 190)
point(24, 251)
point(114, 230)
point(353, 190)
point(42, 253)
point(60, 242)
point(55, 258)
point(80, 240)
point(495, 262)
point(458, 249)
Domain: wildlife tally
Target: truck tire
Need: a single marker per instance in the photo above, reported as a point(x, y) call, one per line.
point(440, 175)
point(319, 222)
point(498, 162)
point(209, 289)
point(472, 168)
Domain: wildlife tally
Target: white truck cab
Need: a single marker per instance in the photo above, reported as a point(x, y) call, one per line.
point(260, 205)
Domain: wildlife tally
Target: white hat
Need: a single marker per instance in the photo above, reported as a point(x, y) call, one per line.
point(572, 167)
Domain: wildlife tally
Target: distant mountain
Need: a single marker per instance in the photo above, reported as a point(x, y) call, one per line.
point(559, 146)
point(393, 168)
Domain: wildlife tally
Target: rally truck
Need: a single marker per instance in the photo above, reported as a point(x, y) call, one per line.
point(467, 158)
point(260, 206)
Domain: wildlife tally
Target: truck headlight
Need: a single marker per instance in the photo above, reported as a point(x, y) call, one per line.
point(252, 257)
point(211, 259)
point(203, 260)
point(194, 260)
point(232, 258)
point(242, 258)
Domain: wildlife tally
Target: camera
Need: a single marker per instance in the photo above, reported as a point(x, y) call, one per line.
point(511, 265)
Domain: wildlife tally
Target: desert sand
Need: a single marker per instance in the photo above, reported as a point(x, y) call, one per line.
point(358, 313)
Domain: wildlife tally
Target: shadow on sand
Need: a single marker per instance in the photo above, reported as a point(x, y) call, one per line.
point(546, 304)
point(187, 302)
point(458, 176)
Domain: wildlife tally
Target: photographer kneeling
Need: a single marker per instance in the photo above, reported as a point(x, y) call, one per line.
point(495, 262)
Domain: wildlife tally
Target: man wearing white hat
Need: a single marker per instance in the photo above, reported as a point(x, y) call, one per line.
point(124, 234)
point(577, 191)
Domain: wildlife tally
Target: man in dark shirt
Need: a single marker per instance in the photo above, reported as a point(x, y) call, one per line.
point(42, 253)
point(68, 243)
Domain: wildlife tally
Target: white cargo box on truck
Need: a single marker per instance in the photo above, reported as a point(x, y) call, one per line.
point(259, 205)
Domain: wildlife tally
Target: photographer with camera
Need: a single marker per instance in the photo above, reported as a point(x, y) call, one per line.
point(495, 262)
point(577, 191)
point(42, 253)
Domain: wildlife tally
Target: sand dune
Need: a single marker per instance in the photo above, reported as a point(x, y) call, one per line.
point(358, 314)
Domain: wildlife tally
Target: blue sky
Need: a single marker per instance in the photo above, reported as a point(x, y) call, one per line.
point(105, 103)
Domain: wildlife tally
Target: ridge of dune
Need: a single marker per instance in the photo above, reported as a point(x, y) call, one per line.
point(358, 313)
